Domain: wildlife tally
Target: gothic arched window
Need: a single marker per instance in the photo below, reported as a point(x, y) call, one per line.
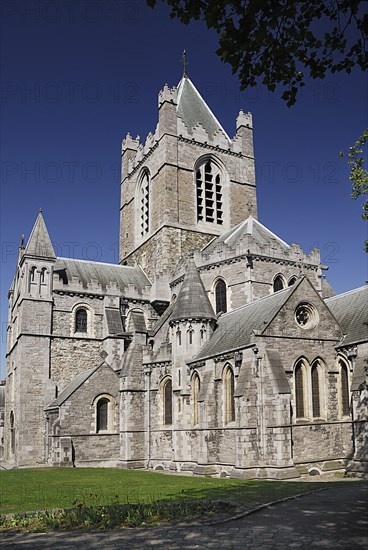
point(144, 203)
point(292, 281)
point(299, 391)
point(220, 295)
point(344, 389)
point(167, 401)
point(102, 411)
point(278, 283)
point(81, 320)
point(316, 403)
point(229, 395)
point(196, 384)
point(209, 193)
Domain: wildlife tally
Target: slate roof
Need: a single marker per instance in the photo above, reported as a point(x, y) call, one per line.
point(351, 311)
point(39, 243)
point(71, 388)
point(113, 319)
point(278, 371)
point(259, 233)
point(192, 301)
point(103, 273)
point(235, 329)
point(327, 290)
point(193, 109)
point(359, 376)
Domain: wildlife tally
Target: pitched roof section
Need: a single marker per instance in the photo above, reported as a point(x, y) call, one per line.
point(193, 109)
point(102, 273)
point(39, 243)
point(235, 329)
point(250, 226)
point(192, 301)
point(71, 388)
point(327, 290)
point(351, 311)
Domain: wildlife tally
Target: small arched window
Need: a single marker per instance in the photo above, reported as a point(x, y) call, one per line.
point(81, 320)
point(292, 281)
point(178, 337)
point(196, 385)
point(102, 411)
point(43, 275)
point(220, 296)
point(299, 391)
point(344, 389)
point(278, 283)
point(316, 400)
point(32, 274)
point(167, 402)
point(229, 395)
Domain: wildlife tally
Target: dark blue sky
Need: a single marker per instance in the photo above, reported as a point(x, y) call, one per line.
point(77, 76)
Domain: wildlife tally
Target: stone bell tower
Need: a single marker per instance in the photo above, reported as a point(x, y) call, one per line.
point(188, 183)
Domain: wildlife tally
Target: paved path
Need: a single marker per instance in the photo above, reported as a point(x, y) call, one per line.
point(336, 518)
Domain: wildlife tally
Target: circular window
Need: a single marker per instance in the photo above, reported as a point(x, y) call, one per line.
point(306, 315)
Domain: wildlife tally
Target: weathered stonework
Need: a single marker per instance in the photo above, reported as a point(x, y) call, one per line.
point(210, 349)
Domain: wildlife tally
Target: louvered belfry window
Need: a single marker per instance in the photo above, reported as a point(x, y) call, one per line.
point(144, 203)
point(209, 193)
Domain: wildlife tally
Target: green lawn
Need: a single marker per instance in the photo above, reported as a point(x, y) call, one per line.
point(34, 489)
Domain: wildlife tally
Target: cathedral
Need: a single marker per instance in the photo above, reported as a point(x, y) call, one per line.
point(214, 347)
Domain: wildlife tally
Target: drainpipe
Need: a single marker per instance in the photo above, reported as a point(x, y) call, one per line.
point(147, 370)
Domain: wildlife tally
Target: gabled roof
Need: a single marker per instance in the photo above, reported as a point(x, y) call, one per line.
point(259, 233)
point(351, 311)
point(235, 329)
point(193, 109)
point(71, 388)
point(39, 243)
point(102, 273)
point(192, 301)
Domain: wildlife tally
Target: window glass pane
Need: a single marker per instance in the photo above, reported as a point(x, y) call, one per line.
point(315, 392)
point(168, 402)
point(81, 321)
point(299, 391)
point(102, 408)
point(220, 294)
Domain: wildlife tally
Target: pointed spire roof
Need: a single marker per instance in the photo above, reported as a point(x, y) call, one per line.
point(192, 301)
point(193, 109)
point(39, 243)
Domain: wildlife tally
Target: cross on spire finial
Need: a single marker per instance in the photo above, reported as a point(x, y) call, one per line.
point(184, 63)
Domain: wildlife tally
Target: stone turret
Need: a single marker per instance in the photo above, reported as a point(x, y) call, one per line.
point(28, 358)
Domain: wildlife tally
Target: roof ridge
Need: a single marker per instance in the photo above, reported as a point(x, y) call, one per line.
point(97, 263)
point(363, 287)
